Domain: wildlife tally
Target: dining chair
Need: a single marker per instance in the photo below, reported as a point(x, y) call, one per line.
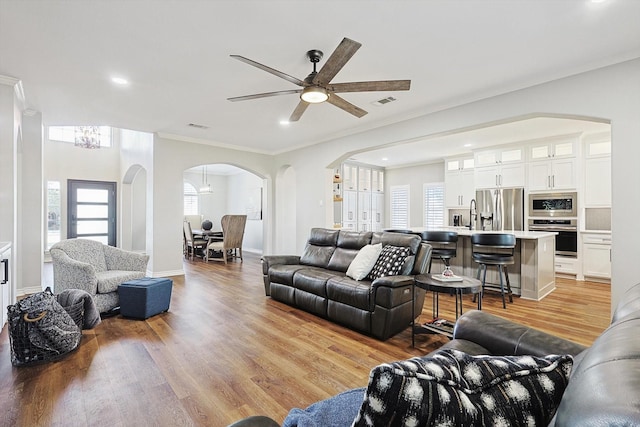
point(191, 244)
point(232, 235)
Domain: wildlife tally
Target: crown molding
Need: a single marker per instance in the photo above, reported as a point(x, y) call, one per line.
point(17, 87)
point(9, 81)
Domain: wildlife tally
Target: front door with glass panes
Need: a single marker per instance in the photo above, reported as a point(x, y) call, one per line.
point(91, 211)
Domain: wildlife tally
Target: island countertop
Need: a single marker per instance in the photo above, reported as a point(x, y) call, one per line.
point(532, 275)
point(464, 231)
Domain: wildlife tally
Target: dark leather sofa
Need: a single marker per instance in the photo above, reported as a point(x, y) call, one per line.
point(317, 282)
point(604, 386)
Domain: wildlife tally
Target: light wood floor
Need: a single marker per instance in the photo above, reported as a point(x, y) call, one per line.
point(225, 351)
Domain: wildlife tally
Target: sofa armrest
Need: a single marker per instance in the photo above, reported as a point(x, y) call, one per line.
point(255, 421)
point(392, 281)
point(69, 273)
point(119, 259)
point(269, 260)
point(504, 337)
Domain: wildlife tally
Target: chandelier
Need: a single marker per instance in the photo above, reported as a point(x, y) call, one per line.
point(87, 136)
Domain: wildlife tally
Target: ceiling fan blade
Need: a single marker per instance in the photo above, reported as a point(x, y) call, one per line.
point(273, 71)
point(264, 95)
point(297, 113)
point(345, 50)
point(345, 105)
point(381, 85)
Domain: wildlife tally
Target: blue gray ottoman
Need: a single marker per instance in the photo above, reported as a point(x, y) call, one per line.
point(146, 297)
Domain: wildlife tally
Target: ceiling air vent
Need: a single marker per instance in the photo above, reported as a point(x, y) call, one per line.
point(384, 101)
point(197, 126)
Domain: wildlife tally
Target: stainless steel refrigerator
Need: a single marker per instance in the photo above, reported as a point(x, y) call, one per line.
point(500, 209)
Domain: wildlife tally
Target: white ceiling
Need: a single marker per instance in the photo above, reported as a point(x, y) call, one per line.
point(176, 56)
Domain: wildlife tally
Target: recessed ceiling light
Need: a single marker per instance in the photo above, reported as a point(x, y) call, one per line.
point(467, 144)
point(598, 1)
point(119, 81)
point(285, 122)
point(384, 159)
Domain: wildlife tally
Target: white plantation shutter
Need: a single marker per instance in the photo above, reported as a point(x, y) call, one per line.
point(433, 205)
point(399, 206)
point(190, 199)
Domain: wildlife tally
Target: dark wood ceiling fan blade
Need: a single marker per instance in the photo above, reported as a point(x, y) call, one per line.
point(300, 109)
point(346, 105)
point(264, 95)
point(273, 71)
point(345, 50)
point(373, 86)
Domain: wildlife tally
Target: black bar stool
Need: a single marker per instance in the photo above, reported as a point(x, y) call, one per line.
point(444, 243)
point(494, 249)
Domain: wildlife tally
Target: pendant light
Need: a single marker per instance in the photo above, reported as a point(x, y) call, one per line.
point(206, 187)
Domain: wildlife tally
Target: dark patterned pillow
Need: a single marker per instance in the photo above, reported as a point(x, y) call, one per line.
point(390, 261)
point(454, 388)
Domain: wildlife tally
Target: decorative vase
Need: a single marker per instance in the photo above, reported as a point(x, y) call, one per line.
point(207, 225)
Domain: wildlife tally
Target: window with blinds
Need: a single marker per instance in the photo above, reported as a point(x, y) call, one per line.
point(433, 205)
point(399, 206)
point(190, 199)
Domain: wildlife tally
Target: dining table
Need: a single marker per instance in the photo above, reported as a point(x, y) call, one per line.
point(210, 235)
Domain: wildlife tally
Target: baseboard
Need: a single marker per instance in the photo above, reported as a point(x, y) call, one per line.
point(167, 273)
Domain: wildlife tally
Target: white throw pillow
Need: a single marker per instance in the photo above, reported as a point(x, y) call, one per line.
point(364, 261)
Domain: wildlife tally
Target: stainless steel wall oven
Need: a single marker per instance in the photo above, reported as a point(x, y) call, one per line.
point(567, 237)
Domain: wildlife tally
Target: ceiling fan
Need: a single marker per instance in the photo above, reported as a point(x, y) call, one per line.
point(317, 86)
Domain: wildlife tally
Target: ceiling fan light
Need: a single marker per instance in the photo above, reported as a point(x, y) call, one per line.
point(314, 94)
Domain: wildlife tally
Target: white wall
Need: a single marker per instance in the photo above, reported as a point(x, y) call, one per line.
point(64, 161)
point(10, 138)
point(415, 177)
point(229, 195)
point(135, 195)
point(245, 191)
point(211, 206)
point(31, 205)
point(171, 158)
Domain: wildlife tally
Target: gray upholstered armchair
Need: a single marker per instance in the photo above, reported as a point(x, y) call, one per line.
point(96, 268)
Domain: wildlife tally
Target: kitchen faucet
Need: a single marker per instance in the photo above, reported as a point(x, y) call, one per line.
point(473, 213)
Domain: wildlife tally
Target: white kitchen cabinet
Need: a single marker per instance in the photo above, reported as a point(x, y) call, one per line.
point(503, 167)
point(552, 164)
point(597, 182)
point(364, 211)
point(364, 179)
point(503, 175)
point(596, 255)
point(553, 174)
point(552, 149)
point(499, 156)
point(377, 181)
point(566, 265)
point(459, 182)
point(350, 209)
point(363, 190)
point(597, 173)
point(350, 177)
point(377, 211)
point(6, 290)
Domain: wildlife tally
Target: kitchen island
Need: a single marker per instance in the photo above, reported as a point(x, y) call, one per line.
point(533, 274)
